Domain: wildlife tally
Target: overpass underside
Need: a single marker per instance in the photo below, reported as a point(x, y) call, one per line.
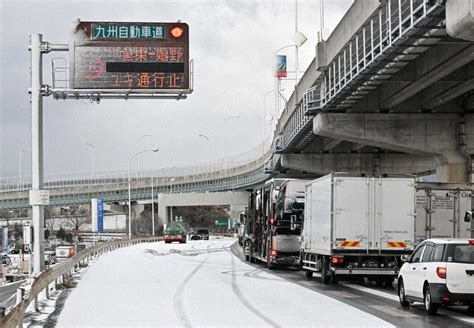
point(396, 99)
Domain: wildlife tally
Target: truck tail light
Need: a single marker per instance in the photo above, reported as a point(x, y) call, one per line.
point(441, 272)
point(337, 260)
point(274, 252)
point(471, 241)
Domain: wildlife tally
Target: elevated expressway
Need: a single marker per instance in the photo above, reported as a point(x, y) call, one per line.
point(389, 92)
point(238, 172)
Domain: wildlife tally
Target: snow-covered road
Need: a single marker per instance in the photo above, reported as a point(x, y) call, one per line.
point(200, 283)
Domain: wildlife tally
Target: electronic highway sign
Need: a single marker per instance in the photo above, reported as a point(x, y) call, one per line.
point(145, 56)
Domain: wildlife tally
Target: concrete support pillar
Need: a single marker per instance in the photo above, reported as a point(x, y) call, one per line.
point(434, 135)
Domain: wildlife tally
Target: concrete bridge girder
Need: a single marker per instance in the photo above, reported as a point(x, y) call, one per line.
point(237, 200)
point(355, 163)
point(433, 135)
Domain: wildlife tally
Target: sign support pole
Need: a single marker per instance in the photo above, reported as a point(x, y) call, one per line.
point(36, 41)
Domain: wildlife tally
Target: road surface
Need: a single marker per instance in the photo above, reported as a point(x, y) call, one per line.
point(201, 283)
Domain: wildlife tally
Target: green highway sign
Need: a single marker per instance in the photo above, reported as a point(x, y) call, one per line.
point(222, 221)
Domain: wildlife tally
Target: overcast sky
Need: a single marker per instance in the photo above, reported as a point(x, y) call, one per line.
point(232, 43)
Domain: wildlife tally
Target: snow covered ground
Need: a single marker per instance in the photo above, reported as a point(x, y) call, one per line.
point(200, 283)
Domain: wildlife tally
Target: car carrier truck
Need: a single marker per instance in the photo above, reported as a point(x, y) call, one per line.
point(273, 223)
point(357, 226)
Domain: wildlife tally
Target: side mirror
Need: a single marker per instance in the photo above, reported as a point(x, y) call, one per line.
point(405, 257)
point(468, 216)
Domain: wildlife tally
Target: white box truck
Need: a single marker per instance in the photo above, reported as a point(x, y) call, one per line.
point(441, 209)
point(358, 226)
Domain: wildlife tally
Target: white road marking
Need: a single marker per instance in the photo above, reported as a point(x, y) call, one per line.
point(446, 312)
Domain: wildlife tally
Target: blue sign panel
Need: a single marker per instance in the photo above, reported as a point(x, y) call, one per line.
point(5, 240)
point(100, 214)
point(281, 66)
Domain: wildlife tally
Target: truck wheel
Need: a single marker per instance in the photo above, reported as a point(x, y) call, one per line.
point(251, 258)
point(334, 279)
point(325, 271)
point(270, 266)
point(247, 251)
point(308, 274)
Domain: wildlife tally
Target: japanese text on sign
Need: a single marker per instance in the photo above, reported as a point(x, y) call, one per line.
point(130, 67)
point(103, 31)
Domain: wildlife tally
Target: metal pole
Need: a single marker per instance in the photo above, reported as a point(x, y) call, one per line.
point(93, 157)
point(152, 208)
point(37, 148)
point(296, 49)
point(208, 146)
point(21, 152)
point(321, 17)
point(171, 191)
point(129, 202)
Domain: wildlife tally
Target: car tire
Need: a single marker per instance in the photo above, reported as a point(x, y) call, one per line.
point(401, 294)
point(431, 308)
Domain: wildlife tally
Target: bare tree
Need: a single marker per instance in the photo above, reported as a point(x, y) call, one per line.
point(77, 216)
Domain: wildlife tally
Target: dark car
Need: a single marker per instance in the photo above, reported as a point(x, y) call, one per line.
point(201, 234)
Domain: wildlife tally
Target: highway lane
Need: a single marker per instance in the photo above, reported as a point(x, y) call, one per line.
point(380, 302)
point(201, 283)
point(9, 290)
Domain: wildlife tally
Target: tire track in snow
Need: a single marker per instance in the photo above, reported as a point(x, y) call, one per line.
point(178, 296)
point(244, 301)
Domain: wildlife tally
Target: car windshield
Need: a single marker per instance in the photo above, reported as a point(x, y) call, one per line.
point(461, 254)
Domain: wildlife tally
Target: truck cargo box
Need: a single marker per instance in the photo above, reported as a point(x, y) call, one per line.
point(440, 210)
point(359, 214)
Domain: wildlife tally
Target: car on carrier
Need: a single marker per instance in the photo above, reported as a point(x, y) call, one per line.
point(438, 272)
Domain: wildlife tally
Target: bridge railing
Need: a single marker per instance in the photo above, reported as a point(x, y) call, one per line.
point(224, 168)
point(60, 273)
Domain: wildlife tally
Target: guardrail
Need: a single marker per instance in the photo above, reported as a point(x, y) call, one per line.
point(60, 273)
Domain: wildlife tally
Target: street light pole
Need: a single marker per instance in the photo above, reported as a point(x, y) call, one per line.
point(171, 191)
point(208, 146)
point(142, 137)
point(223, 137)
point(21, 165)
point(130, 187)
point(265, 116)
point(152, 207)
point(91, 146)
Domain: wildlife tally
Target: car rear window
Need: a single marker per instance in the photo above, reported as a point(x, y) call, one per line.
point(203, 231)
point(461, 253)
